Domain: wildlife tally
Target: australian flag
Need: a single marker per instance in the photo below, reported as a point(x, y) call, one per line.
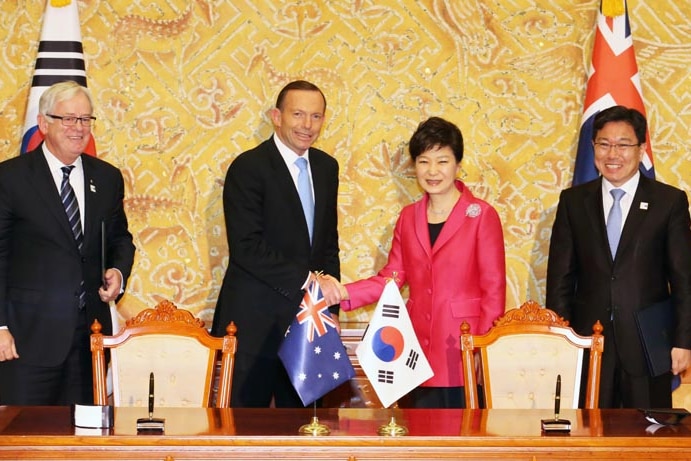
point(613, 80)
point(312, 351)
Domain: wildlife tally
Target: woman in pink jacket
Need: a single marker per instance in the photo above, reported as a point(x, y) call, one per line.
point(448, 248)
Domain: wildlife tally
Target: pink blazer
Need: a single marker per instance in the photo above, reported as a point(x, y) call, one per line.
point(462, 278)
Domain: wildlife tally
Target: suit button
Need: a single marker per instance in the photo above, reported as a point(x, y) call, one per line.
point(614, 277)
point(83, 260)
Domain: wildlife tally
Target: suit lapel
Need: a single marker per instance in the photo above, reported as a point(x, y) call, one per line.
point(282, 176)
point(89, 216)
point(456, 219)
point(321, 189)
point(44, 186)
point(637, 214)
point(453, 223)
point(421, 226)
point(595, 216)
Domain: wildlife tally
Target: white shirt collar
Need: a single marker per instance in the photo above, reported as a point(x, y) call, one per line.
point(629, 186)
point(54, 164)
point(289, 156)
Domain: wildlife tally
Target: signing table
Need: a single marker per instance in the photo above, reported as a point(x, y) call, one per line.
point(47, 433)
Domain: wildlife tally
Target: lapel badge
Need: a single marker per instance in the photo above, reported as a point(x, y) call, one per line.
point(473, 210)
point(92, 187)
point(644, 205)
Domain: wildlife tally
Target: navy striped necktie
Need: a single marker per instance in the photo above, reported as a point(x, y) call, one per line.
point(69, 201)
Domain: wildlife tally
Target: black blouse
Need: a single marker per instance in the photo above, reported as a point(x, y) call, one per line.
point(434, 231)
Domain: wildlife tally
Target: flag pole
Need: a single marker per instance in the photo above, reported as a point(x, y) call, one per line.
point(393, 429)
point(313, 354)
point(314, 428)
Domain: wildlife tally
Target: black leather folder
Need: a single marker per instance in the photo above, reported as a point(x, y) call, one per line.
point(656, 327)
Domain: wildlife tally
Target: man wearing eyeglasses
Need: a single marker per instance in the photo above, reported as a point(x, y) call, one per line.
point(619, 244)
point(54, 203)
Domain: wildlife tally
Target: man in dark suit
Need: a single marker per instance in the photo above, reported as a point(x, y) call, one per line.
point(276, 246)
point(51, 282)
point(590, 277)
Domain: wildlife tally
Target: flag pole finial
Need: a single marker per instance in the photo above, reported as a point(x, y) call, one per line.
point(394, 277)
point(613, 8)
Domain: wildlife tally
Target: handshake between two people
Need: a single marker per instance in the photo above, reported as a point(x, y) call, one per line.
point(333, 291)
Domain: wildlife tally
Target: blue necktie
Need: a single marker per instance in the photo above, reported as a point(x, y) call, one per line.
point(69, 201)
point(305, 191)
point(614, 221)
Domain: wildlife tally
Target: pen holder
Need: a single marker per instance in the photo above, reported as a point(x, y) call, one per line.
point(556, 425)
point(151, 425)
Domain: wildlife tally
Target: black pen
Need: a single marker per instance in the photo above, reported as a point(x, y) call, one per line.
point(557, 397)
point(151, 395)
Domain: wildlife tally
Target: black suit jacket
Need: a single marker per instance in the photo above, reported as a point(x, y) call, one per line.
point(41, 267)
point(270, 252)
point(653, 262)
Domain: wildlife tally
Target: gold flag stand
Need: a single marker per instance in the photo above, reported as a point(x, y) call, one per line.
point(315, 428)
point(393, 429)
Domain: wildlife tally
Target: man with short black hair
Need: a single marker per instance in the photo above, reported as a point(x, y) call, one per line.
point(619, 244)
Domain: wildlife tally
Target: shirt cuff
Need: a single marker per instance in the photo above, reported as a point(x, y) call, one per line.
point(122, 280)
point(307, 282)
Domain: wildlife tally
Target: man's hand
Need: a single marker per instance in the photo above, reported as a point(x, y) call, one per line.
point(8, 350)
point(681, 360)
point(112, 289)
point(330, 289)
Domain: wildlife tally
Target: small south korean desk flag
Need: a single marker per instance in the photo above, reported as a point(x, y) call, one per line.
point(389, 353)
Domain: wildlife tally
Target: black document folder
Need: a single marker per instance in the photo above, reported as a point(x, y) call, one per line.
point(656, 327)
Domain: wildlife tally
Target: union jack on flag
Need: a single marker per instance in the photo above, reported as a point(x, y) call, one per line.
point(613, 80)
point(312, 351)
point(314, 312)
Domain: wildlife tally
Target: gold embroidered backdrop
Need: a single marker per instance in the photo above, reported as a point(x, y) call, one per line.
point(183, 86)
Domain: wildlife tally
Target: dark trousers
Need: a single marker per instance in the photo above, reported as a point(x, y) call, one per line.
point(435, 397)
point(619, 389)
point(259, 381)
point(64, 384)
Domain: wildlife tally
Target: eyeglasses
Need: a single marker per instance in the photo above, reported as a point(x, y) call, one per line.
point(606, 147)
point(71, 120)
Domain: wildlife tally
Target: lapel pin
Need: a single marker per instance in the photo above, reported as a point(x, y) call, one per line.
point(92, 187)
point(473, 210)
point(644, 205)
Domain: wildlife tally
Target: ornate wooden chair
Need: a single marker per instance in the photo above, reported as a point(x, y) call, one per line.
point(521, 356)
point(177, 348)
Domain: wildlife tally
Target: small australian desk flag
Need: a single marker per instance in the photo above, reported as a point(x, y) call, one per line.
point(312, 351)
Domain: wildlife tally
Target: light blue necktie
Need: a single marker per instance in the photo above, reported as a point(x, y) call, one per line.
point(614, 221)
point(305, 191)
